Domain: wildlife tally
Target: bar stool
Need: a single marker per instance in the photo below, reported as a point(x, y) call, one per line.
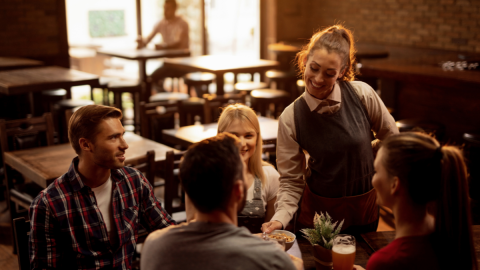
point(60, 108)
point(103, 85)
point(422, 125)
point(284, 80)
point(263, 99)
point(118, 87)
point(50, 97)
point(200, 81)
point(472, 156)
point(249, 86)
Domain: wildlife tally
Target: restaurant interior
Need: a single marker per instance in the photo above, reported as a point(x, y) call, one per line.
point(420, 56)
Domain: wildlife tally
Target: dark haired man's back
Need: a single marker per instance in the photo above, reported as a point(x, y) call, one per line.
point(202, 245)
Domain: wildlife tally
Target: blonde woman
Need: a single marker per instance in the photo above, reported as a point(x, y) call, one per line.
point(261, 178)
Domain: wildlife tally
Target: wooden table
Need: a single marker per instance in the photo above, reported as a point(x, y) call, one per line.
point(8, 63)
point(142, 55)
point(44, 164)
point(221, 64)
point(188, 135)
point(31, 80)
point(378, 240)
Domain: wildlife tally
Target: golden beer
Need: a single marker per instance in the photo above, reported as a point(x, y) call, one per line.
point(343, 252)
point(343, 257)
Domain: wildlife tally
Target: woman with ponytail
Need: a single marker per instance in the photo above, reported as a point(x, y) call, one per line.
point(332, 122)
point(426, 187)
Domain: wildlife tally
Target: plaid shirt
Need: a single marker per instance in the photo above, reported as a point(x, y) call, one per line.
point(67, 228)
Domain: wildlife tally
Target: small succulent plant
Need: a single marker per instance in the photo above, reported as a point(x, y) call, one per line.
point(323, 232)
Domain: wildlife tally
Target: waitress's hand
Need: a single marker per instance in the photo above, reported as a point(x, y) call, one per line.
point(297, 262)
point(271, 226)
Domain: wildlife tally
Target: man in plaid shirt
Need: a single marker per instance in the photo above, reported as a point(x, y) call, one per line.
point(89, 217)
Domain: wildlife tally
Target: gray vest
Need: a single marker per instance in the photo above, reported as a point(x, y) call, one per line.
point(339, 145)
point(253, 214)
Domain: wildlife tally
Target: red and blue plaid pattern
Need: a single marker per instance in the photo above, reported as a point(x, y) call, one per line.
point(67, 227)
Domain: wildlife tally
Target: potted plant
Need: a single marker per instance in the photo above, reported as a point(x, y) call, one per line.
point(321, 238)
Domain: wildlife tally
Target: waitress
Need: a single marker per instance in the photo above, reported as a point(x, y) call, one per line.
point(332, 123)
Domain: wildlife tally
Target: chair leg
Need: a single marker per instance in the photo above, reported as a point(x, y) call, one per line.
point(10, 204)
point(117, 100)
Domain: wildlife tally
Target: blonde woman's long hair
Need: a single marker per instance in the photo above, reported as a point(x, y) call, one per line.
point(248, 117)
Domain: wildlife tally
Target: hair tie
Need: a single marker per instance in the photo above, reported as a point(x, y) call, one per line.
point(439, 153)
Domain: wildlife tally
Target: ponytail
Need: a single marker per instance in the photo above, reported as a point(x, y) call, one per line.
point(452, 219)
point(336, 39)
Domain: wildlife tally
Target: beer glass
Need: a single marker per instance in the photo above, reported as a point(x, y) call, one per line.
point(343, 252)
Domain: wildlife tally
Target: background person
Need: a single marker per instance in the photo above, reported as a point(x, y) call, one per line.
point(332, 122)
point(261, 177)
point(211, 174)
point(89, 217)
point(174, 31)
point(414, 174)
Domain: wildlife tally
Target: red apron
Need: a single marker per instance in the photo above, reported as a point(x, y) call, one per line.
point(355, 210)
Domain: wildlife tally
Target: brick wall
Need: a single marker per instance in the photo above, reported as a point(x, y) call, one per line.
point(435, 24)
point(34, 29)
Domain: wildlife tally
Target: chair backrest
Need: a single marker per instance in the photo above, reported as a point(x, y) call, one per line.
point(155, 116)
point(214, 103)
point(172, 184)
point(26, 133)
point(145, 164)
point(21, 229)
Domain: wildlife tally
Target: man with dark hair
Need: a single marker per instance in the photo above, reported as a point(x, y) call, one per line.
point(89, 217)
point(174, 32)
point(211, 174)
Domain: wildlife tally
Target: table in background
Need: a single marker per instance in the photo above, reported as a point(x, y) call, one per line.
point(44, 164)
point(364, 51)
point(9, 63)
point(142, 55)
point(221, 64)
point(31, 80)
point(378, 240)
point(188, 135)
point(286, 52)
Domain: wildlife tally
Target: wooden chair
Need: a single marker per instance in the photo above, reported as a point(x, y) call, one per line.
point(269, 150)
point(156, 116)
point(214, 103)
point(173, 190)
point(145, 164)
point(17, 135)
point(21, 231)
